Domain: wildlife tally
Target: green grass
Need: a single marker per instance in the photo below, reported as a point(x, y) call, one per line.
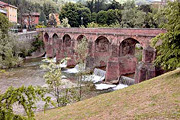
point(158, 98)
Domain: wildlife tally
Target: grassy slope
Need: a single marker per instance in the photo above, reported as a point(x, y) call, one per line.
point(158, 98)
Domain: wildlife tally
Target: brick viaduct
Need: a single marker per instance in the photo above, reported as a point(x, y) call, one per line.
point(112, 48)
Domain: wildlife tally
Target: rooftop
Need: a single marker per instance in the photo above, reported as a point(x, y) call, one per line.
point(6, 4)
point(32, 14)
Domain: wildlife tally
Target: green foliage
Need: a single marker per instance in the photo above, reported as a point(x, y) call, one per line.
point(96, 5)
point(131, 17)
point(42, 18)
point(53, 80)
point(169, 51)
point(9, 51)
point(65, 23)
point(82, 53)
point(36, 45)
point(93, 17)
point(92, 25)
point(102, 17)
point(4, 24)
point(74, 12)
point(24, 96)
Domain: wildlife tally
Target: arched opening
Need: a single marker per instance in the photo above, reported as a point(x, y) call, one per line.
point(55, 37)
point(102, 44)
point(132, 49)
point(131, 46)
point(46, 37)
point(80, 37)
point(67, 40)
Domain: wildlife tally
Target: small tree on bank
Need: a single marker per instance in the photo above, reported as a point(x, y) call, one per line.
point(168, 53)
point(82, 53)
point(55, 84)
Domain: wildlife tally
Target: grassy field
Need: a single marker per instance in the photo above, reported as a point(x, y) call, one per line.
point(158, 98)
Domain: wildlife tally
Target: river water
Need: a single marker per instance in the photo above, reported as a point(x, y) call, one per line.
point(29, 73)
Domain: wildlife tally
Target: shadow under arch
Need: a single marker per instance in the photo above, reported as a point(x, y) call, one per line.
point(80, 37)
point(67, 40)
point(46, 37)
point(128, 46)
point(102, 44)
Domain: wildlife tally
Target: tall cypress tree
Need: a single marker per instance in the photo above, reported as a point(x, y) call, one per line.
point(42, 18)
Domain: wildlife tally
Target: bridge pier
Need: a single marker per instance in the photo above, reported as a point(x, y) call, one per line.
point(118, 66)
point(146, 70)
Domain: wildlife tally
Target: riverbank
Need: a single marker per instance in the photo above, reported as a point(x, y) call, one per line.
point(158, 98)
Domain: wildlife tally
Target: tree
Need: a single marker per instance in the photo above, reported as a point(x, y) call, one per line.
point(168, 53)
point(24, 96)
point(8, 45)
point(65, 23)
point(96, 5)
point(4, 24)
point(82, 53)
point(48, 9)
point(93, 17)
point(114, 5)
point(42, 18)
point(53, 80)
point(111, 17)
point(74, 13)
point(102, 17)
point(84, 15)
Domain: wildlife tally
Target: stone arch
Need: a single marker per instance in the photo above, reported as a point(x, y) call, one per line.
point(67, 40)
point(127, 46)
point(46, 37)
point(80, 37)
point(55, 36)
point(102, 44)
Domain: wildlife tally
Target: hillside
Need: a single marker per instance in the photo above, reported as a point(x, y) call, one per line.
point(158, 98)
point(64, 1)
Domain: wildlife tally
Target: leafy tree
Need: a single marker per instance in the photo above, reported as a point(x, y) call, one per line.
point(74, 12)
point(24, 96)
point(65, 23)
point(93, 25)
point(102, 17)
point(96, 5)
point(8, 51)
point(82, 53)
point(168, 53)
point(93, 17)
point(48, 9)
point(4, 24)
point(42, 18)
point(114, 5)
point(53, 80)
point(84, 15)
point(112, 17)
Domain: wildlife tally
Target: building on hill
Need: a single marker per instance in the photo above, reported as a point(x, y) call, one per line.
point(31, 19)
point(160, 4)
point(9, 10)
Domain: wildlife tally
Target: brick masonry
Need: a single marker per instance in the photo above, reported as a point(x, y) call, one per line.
point(112, 48)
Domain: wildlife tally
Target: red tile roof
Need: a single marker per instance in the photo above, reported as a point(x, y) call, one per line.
point(6, 4)
point(3, 3)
